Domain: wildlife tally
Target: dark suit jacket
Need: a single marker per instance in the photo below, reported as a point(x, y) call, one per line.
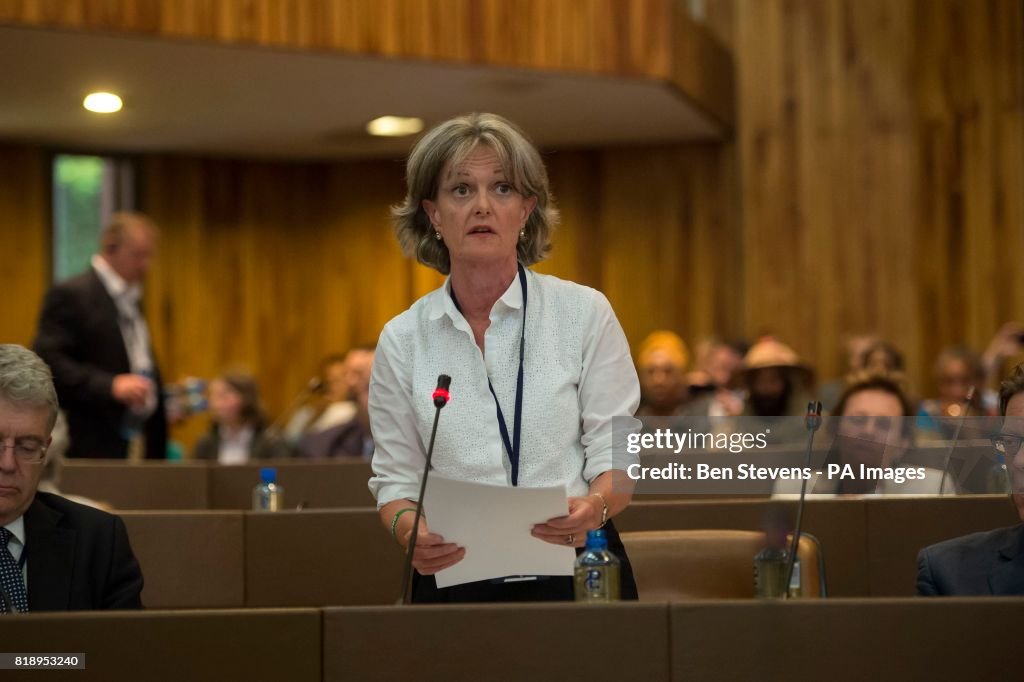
point(78, 558)
point(989, 563)
point(343, 440)
point(80, 339)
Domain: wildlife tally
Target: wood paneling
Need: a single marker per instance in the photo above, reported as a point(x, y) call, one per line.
point(24, 240)
point(636, 38)
point(880, 161)
point(269, 266)
point(882, 166)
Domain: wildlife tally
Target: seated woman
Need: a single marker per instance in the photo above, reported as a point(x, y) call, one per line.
point(238, 432)
point(873, 433)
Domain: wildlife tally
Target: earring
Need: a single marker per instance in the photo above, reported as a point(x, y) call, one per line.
point(437, 235)
point(522, 233)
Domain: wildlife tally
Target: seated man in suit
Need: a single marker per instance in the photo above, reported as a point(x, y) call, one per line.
point(55, 555)
point(992, 562)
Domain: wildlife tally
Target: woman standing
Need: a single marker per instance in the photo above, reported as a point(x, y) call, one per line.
point(539, 365)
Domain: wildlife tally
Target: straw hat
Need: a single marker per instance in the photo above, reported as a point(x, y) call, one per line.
point(770, 352)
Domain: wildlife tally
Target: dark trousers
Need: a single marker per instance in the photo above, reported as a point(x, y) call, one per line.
point(545, 588)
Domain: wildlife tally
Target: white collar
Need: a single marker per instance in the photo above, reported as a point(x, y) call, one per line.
point(442, 302)
point(17, 528)
point(115, 285)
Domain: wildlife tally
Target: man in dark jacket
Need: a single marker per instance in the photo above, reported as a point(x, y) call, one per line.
point(991, 562)
point(96, 341)
point(71, 557)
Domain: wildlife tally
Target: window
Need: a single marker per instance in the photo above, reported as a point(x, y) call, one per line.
point(86, 191)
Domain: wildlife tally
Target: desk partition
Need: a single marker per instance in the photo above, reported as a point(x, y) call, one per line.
point(529, 642)
point(893, 640)
point(320, 558)
point(149, 485)
point(314, 485)
point(171, 646)
point(172, 546)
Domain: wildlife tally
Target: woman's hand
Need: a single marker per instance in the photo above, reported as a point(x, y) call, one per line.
point(584, 515)
point(432, 554)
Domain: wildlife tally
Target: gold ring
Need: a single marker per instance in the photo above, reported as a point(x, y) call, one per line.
point(570, 539)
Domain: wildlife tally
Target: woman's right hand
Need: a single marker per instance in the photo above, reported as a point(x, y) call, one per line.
point(432, 554)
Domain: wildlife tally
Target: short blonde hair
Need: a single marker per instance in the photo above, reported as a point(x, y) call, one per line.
point(450, 143)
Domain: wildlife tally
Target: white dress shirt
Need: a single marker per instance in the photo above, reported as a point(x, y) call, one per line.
point(235, 446)
point(578, 374)
point(133, 326)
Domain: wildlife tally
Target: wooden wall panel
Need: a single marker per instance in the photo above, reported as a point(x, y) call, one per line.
point(608, 36)
point(882, 163)
point(639, 38)
point(270, 266)
point(24, 240)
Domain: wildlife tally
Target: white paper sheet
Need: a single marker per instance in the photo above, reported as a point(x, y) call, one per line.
point(493, 523)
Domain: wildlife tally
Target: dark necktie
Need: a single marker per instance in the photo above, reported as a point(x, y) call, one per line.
point(11, 578)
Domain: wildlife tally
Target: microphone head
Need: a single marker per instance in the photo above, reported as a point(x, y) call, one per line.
point(441, 395)
point(813, 418)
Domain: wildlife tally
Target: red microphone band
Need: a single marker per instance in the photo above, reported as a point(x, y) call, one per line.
point(441, 393)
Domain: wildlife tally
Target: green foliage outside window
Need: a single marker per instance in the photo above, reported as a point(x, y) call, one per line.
point(77, 200)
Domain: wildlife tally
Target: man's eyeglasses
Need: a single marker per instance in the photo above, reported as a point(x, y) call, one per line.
point(1007, 445)
point(30, 451)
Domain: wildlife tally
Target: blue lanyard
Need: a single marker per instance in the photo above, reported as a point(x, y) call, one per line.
point(511, 445)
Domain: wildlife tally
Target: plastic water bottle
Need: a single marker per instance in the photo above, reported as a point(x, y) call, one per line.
point(268, 495)
point(770, 567)
point(597, 571)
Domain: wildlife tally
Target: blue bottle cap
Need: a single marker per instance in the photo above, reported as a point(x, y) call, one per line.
point(596, 539)
point(268, 474)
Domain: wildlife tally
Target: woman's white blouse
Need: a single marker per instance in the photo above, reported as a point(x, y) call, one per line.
point(577, 376)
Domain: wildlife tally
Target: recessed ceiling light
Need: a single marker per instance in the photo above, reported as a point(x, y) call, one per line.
point(394, 126)
point(102, 102)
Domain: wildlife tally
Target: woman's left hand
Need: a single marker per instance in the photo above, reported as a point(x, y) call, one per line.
point(571, 530)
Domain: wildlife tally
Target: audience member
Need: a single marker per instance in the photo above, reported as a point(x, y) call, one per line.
point(717, 363)
point(957, 369)
point(351, 439)
point(882, 357)
point(55, 555)
point(661, 365)
point(854, 349)
point(776, 380)
point(872, 426)
point(990, 562)
point(93, 335)
point(334, 403)
point(713, 385)
point(238, 431)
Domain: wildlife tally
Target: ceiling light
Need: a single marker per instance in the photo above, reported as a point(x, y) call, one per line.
point(102, 102)
point(394, 126)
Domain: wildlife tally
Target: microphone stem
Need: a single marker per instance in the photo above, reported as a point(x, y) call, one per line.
point(813, 422)
point(411, 549)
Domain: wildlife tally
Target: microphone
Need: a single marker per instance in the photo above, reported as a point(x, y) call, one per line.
point(813, 423)
point(956, 436)
point(440, 396)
